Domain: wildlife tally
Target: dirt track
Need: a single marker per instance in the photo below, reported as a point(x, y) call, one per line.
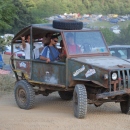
point(52, 113)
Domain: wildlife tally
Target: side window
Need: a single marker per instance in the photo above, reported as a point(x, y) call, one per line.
point(128, 53)
point(123, 53)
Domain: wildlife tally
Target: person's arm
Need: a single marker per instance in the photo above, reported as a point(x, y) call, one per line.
point(43, 55)
point(23, 42)
point(44, 58)
point(63, 53)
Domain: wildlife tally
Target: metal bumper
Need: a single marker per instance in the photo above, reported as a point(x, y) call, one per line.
point(110, 94)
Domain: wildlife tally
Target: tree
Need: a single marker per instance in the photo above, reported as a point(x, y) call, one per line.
point(124, 37)
point(17, 14)
point(5, 41)
point(7, 13)
point(23, 17)
point(108, 35)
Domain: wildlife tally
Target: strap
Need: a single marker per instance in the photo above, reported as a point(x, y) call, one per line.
point(51, 52)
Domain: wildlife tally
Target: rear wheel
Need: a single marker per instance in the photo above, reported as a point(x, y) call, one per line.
point(66, 95)
point(125, 105)
point(80, 101)
point(24, 94)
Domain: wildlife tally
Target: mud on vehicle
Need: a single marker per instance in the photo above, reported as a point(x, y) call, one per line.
point(90, 75)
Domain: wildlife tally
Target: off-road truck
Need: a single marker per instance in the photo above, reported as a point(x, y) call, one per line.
point(90, 75)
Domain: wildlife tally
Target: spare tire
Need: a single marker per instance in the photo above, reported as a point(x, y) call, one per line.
point(67, 24)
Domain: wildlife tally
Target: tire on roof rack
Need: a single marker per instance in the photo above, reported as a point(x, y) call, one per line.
point(67, 24)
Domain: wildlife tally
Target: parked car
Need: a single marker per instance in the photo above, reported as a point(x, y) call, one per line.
point(121, 51)
point(89, 75)
point(113, 20)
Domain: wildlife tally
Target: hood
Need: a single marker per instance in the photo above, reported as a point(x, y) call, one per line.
point(106, 62)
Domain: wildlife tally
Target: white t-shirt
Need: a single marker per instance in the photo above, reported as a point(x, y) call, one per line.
point(27, 51)
point(36, 50)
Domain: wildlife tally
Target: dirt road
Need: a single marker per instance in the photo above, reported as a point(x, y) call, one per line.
point(52, 113)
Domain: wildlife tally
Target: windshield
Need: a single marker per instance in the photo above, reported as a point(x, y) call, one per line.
point(85, 42)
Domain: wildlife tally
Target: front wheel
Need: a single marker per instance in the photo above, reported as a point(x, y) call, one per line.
point(24, 94)
point(80, 101)
point(125, 105)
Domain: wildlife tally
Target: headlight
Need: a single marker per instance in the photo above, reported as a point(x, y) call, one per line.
point(114, 76)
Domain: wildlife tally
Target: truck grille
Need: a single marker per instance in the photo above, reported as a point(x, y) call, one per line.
point(122, 82)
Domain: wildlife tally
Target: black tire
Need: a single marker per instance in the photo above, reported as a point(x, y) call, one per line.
point(66, 95)
point(80, 101)
point(125, 105)
point(24, 95)
point(67, 24)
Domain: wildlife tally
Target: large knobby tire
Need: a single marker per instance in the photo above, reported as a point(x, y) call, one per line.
point(66, 95)
point(67, 24)
point(24, 95)
point(125, 105)
point(80, 101)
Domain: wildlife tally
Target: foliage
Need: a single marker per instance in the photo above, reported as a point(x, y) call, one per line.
point(5, 41)
point(121, 39)
point(50, 7)
point(23, 19)
point(16, 14)
point(7, 13)
point(108, 35)
point(2, 43)
point(124, 37)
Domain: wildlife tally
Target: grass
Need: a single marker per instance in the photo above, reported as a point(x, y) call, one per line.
point(106, 24)
point(7, 81)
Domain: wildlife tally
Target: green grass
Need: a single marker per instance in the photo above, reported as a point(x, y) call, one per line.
point(106, 24)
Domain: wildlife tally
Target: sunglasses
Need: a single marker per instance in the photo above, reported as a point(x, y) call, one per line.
point(55, 41)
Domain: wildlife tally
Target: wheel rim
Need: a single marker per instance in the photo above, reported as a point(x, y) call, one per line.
point(22, 95)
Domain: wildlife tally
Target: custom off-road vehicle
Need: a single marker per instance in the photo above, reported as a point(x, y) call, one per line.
point(90, 75)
